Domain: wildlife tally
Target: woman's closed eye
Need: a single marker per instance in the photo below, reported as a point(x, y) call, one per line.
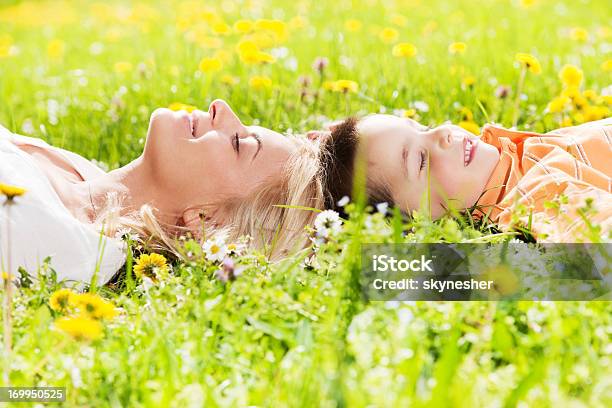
point(236, 143)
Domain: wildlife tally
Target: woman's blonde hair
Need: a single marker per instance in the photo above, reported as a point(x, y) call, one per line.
point(265, 215)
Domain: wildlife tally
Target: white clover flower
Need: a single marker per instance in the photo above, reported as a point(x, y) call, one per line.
point(382, 208)
point(343, 201)
point(421, 106)
point(328, 223)
point(215, 249)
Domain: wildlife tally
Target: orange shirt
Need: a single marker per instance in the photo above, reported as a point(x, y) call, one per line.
point(535, 168)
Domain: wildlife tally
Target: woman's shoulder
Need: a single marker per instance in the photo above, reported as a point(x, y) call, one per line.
point(41, 226)
point(86, 168)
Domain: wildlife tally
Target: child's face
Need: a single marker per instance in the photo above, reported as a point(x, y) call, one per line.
point(400, 151)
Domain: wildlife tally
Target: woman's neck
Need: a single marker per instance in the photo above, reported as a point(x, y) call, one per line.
point(134, 186)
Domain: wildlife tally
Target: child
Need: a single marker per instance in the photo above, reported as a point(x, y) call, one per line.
point(558, 183)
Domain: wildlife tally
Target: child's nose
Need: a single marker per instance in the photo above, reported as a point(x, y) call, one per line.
point(442, 137)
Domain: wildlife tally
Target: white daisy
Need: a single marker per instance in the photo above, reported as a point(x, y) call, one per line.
point(215, 249)
point(328, 223)
point(382, 208)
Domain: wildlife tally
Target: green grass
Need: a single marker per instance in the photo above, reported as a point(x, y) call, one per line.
point(285, 334)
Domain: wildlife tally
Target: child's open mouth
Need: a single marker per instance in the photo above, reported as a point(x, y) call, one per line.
point(469, 150)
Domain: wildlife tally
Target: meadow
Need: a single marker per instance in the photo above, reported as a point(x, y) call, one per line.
point(86, 76)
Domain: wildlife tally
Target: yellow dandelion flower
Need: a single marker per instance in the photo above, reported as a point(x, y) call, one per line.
point(246, 46)
point(256, 57)
point(152, 266)
point(410, 113)
point(211, 64)
point(276, 27)
point(590, 94)
point(56, 48)
point(571, 76)
point(573, 93)
point(470, 126)
point(468, 81)
point(5, 51)
point(62, 299)
point(260, 82)
point(527, 3)
point(567, 121)
point(329, 85)
point(243, 26)
point(579, 34)
point(219, 27)
point(558, 104)
point(249, 56)
point(466, 114)
point(93, 306)
point(177, 106)
point(10, 191)
point(345, 85)
point(6, 42)
point(530, 62)
point(606, 66)
point(122, 67)
point(388, 35)
point(592, 113)
point(404, 49)
point(229, 80)
point(457, 48)
point(579, 118)
point(353, 25)
point(80, 327)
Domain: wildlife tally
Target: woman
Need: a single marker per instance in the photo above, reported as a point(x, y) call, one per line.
point(203, 173)
point(504, 174)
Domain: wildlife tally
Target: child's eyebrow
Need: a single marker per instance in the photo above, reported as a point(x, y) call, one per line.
point(404, 161)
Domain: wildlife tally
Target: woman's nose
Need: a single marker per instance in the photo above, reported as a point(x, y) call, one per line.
point(223, 118)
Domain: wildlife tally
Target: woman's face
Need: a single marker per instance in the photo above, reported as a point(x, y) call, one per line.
point(400, 151)
point(201, 156)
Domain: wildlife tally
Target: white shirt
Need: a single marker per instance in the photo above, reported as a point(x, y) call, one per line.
point(42, 226)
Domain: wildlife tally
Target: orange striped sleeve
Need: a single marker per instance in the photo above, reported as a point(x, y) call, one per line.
point(564, 171)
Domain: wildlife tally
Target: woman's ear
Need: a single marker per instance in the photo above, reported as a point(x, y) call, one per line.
point(334, 125)
point(195, 219)
point(319, 135)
